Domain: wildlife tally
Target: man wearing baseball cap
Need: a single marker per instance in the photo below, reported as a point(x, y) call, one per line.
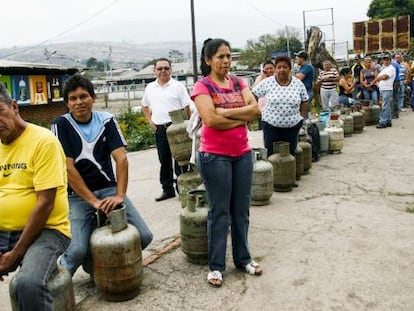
point(385, 81)
point(356, 72)
point(305, 73)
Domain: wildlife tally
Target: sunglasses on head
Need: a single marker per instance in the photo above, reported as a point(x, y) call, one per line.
point(163, 68)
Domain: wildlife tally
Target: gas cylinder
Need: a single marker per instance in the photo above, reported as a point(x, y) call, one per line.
point(180, 143)
point(376, 110)
point(348, 122)
point(193, 227)
point(299, 162)
point(284, 167)
point(366, 110)
point(336, 139)
point(117, 259)
point(358, 120)
point(187, 181)
point(60, 287)
point(307, 151)
point(324, 138)
point(262, 182)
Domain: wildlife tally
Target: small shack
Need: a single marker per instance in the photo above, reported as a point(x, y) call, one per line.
point(37, 88)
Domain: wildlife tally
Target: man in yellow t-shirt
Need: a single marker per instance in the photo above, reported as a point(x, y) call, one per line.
point(34, 224)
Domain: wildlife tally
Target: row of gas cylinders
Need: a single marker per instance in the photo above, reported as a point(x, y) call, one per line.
point(278, 173)
point(116, 246)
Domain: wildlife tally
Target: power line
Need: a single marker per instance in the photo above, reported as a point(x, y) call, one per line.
point(66, 31)
point(263, 14)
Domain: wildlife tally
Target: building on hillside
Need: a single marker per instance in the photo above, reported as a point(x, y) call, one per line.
point(37, 88)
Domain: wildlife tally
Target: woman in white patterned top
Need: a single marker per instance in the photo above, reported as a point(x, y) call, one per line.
point(286, 105)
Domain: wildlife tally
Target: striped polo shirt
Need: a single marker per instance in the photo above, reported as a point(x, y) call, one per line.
point(328, 85)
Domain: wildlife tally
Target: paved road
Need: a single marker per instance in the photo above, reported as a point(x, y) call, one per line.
point(342, 240)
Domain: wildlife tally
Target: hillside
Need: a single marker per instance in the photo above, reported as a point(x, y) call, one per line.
point(77, 53)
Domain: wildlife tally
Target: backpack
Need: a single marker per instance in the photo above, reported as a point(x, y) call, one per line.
point(315, 140)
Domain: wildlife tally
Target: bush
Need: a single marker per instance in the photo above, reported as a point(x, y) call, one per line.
point(137, 132)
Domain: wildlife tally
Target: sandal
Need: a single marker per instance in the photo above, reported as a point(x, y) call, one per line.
point(215, 278)
point(253, 268)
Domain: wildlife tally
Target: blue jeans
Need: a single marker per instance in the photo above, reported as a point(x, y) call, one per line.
point(395, 110)
point(371, 94)
point(82, 220)
point(328, 97)
point(401, 95)
point(358, 88)
point(385, 116)
point(38, 264)
point(412, 94)
point(228, 183)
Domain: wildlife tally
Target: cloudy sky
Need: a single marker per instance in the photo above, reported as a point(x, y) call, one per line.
point(32, 22)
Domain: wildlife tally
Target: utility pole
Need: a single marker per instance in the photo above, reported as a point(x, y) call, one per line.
point(287, 40)
point(194, 44)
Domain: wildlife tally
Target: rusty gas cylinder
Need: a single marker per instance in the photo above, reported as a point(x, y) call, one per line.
point(193, 227)
point(336, 139)
point(60, 287)
point(307, 151)
point(188, 181)
point(366, 109)
point(284, 167)
point(376, 110)
point(117, 259)
point(358, 120)
point(299, 162)
point(180, 143)
point(348, 123)
point(262, 181)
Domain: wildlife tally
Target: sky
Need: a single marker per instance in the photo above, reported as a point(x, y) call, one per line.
point(29, 23)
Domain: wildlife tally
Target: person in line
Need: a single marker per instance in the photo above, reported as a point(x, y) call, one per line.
point(328, 79)
point(287, 106)
point(90, 140)
point(268, 71)
point(385, 80)
point(305, 74)
point(34, 223)
point(160, 97)
point(396, 93)
point(346, 87)
point(225, 105)
point(367, 75)
point(356, 74)
point(404, 79)
point(412, 85)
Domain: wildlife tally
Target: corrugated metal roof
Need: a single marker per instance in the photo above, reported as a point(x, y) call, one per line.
point(10, 64)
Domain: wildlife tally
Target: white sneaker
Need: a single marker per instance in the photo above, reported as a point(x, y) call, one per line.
point(403, 110)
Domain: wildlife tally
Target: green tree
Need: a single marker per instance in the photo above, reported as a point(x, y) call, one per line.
point(91, 63)
point(257, 51)
point(175, 56)
point(100, 66)
point(149, 63)
point(391, 8)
